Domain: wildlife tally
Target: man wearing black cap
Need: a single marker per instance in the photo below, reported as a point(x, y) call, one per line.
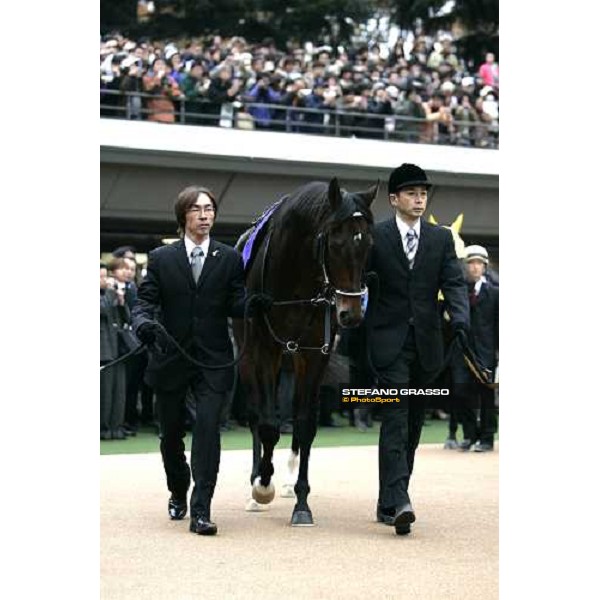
point(413, 260)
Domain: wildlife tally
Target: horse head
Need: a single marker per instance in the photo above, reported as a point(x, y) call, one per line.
point(344, 243)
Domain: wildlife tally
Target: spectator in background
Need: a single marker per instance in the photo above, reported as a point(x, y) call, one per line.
point(110, 83)
point(439, 120)
point(410, 106)
point(482, 137)
point(163, 89)
point(195, 89)
point(322, 99)
point(295, 95)
point(490, 107)
point(379, 104)
point(176, 66)
point(465, 114)
point(221, 93)
point(489, 71)
point(262, 92)
point(114, 314)
point(132, 86)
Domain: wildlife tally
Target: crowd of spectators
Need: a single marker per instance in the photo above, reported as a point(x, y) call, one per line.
point(419, 89)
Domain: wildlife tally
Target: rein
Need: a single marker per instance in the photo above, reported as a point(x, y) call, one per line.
point(170, 339)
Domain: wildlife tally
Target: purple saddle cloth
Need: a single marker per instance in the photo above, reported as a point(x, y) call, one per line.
point(248, 251)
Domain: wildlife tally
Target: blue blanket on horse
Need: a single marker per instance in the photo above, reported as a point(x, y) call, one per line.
point(249, 247)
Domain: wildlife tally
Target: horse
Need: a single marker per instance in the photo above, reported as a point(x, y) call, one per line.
point(310, 256)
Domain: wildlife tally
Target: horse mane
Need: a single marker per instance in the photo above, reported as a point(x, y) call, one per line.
point(310, 204)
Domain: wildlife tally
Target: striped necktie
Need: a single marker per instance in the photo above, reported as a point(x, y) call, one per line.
point(197, 262)
point(411, 246)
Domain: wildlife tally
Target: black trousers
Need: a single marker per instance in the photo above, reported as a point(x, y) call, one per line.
point(136, 367)
point(474, 400)
point(206, 442)
point(112, 397)
point(400, 427)
point(484, 428)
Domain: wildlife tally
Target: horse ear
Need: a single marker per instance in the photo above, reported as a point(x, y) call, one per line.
point(432, 220)
point(370, 194)
point(458, 222)
point(335, 195)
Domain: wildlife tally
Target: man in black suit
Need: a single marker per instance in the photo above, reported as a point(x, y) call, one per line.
point(483, 338)
point(413, 260)
point(192, 287)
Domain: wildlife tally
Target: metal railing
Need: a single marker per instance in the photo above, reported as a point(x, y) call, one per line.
point(331, 121)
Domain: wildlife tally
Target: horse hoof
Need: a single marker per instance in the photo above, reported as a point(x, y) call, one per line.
point(253, 506)
point(302, 518)
point(262, 494)
point(287, 491)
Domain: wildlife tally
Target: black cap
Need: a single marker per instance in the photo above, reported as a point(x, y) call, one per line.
point(407, 175)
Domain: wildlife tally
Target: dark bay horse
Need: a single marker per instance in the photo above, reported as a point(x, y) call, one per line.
point(311, 259)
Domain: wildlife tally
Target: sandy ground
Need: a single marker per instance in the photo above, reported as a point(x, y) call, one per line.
point(452, 551)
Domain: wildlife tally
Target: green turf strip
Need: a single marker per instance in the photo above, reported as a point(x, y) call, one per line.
point(434, 432)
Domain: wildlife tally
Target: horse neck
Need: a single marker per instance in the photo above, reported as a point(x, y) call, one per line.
point(294, 268)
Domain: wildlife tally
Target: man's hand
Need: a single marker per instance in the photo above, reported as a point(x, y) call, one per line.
point(260, 303)
point(147, 333)
point(459, 329)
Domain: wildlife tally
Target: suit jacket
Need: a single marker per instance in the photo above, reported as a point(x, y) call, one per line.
point(484, 334)
point(112, 318)
point(410, 297)
point(194, 314)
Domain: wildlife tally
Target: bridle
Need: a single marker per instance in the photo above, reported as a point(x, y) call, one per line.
point(325, 296)
point(320, 249)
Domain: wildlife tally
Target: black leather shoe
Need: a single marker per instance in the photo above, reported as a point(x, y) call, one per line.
point(129, 431)
point(479, 447)
point(404, 516)
point(385, 515)
point(403, 529)
point(202, 526)
point(177, 508)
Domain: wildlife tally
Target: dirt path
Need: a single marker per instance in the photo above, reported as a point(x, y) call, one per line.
point(452, 552)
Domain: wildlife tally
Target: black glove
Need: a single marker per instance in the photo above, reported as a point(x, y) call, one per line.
point(147, 333)
point(460, 329)
point(260, 303)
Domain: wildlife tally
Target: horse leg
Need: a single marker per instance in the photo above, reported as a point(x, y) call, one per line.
point(287, 490)
point(306, 425)
point(250, 383)
point(263, 490)
point(251, 504)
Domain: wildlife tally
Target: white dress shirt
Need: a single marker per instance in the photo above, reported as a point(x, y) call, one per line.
point(403, 228)
point(478, 285)
point(190, 245)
